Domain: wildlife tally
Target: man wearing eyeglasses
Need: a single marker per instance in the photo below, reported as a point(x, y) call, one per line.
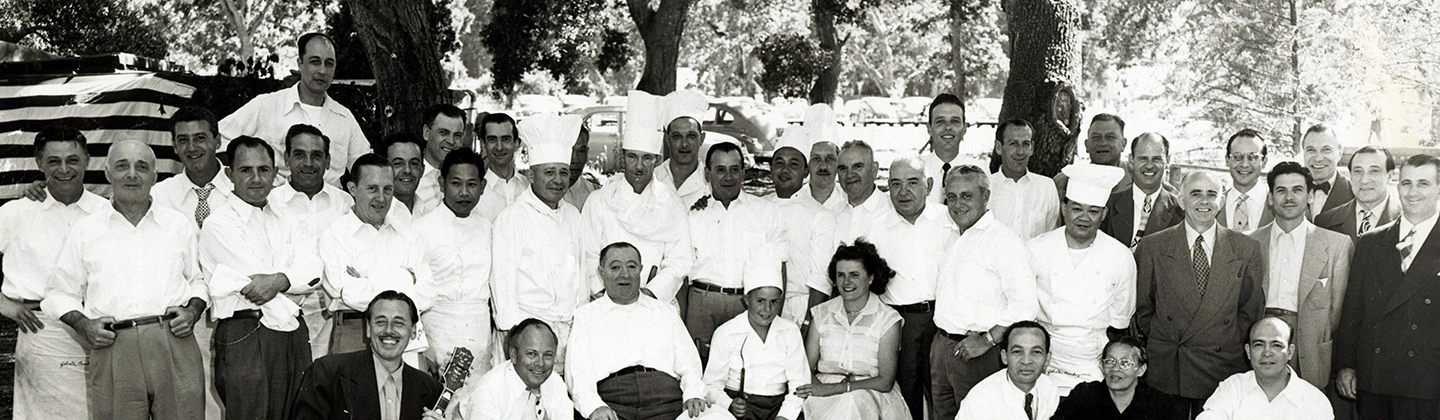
point(1245, 208)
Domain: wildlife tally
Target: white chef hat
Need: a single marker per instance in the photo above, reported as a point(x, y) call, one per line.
point(763, 269)
point(1090, 184)
point(682, 103)
point(820, 118)
point(550, 137)
point(642, 123)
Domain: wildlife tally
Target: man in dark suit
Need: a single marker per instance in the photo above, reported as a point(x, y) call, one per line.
point(1322, 153)
point(1372, 207)
point(1387, 352)
point(1199, 287)
point(1146, 207)
point(1244, 202)
point(371, 384)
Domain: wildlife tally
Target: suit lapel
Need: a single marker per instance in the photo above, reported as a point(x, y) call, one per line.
point(1262, 236)
point(1161, 212)
point(410, 405)
point(1122, 216)
point(1347, 221)
point(1339, 193)
point(364, 392)
point(1220, 288)
point(1316, 257)
point(1422, 270)
point(1183, 282)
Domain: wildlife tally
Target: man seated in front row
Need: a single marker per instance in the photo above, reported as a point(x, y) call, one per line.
point(525, 389)
point(373, 383)
point(1272, 390)
point(1022, 390)
point(630, 356)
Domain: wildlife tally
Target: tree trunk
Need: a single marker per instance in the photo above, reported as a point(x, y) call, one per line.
point(958, 18)
point(661, 29)
point(1044, 61)
point(823, 92)
point(399, 41)
point(235, 13)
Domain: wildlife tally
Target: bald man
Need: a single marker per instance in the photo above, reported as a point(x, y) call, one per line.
point(127, 280)
point(1271, 390)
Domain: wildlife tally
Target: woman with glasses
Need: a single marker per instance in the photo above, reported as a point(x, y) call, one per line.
point(1122, 394)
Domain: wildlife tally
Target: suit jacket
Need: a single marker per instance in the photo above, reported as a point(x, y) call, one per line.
point(1266, 215)
point(342, 386)
point(1324, 274)
point(1119, 220)
point(1340, 193)
point(1195, 341)
point(1342, 219)
point(1391, 319)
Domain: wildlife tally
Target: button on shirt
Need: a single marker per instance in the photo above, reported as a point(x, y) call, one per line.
point(1287, 253)
point(458, 251)
point(724, 238)
point(31, 234)
point(499, 193)
point(1254, 205)
point(1081, 294)
point(240, 240)
point(653, 336)
point(1029, 206)
point(178, 193)
point(689, 191)
point(1240, 397)
point(985, 280)
point(110, 267)
point(388, 258)
point(536, 264)
point(391, 386)
point(914, 251)
point(501, 395)
point(857, 221)
point(997, 398)
point(772, 366)
point(269, 117)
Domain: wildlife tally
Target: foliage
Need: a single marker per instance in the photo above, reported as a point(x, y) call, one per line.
point(791, 63)
point(80, 27)
point(352, 61)
point(564, 38)
point(208, 33)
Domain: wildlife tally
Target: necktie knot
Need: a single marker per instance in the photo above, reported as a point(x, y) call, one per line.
point(1149, 204)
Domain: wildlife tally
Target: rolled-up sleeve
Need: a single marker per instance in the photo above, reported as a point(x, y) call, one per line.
point(65, 291)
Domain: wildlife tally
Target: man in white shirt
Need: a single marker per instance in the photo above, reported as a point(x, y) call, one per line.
point(253, 256)
point(985, 285)
point(867, 204)
point(525, 389)
point(758, 357)
point(1085, 280)
point(946, 129)
point(1022, 390)
point(444, 132)
point(500, 140)
point(1322, 152)
point(457, 248)
point(630, 357)
point(365, 253)
point(270, 115)
point(823, 161)
point(1024, 201)
point(679, 111)
point(1245, 207)
point(405, 151)
point(127, 281)
point(49, 363)
point(808, 228)
point(1269, 390)
point(727, 228)
point(536, 265)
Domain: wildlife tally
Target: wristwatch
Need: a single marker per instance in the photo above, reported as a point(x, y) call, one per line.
point(988, 338)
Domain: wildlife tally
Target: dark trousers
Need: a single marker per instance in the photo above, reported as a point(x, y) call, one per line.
point(1344, 407)
point(348, 334)
point(951, 377)
point(642, 396)
point(1393, 407)
point(758, 407)
point(257, 369)
point(912, 375)
point(147, 373)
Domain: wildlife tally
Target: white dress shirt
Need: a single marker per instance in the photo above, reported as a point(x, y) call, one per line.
point(772, 366)
point(1030, 206)
point(935, 170)
point(608, 337)
point(654, 221)
point(499, 193)
point(429, 193)
point(1208, 244)
point(270, 116)
point(689, 191)
point(854, 222)
point(501, 395)
point(1422, 232)
point(997, 398)
point(389, 258)
point(458, 251)
point(723, 238)
point(985, 280)
point(808, 231)
point(31, 234)
point(1287, 255)
point(536, 266)
point(1141, 218)
point(914, 251)
point(1240, 397)
point(110, 267)
point(1254, 205)
point(1081, 294)
point(240, 240)
point(836, 203)
point(178, 193)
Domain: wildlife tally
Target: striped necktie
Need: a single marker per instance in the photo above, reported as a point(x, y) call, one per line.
point(1365, 221)
point(539, 408)
point(1406, 247)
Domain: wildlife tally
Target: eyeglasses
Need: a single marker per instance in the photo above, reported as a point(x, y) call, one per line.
point(1122, 364)
point(1252, 158)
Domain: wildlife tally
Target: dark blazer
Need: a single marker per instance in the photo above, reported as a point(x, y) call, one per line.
point(1119, 220)
point(1340, 193)
point(1196, 341)
point(1091, 401)
point(1342, 219)
point(1391, 319)
point(342, 386)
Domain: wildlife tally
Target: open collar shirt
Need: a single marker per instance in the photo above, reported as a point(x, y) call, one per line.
point(1030, 206)
point(914, 251)
point(270, 116)
point(390, 257)
point(1240, 397)
point(31, 234)
point(458, 251)
point(608, 337)
point(985, 280)
point(500, 192)
point(724, 238)
point(240, 240)
point(178, 193)
point(772, 366)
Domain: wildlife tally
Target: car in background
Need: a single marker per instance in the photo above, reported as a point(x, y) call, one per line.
point(742, 121)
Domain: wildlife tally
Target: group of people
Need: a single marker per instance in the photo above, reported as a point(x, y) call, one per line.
point(309, 277)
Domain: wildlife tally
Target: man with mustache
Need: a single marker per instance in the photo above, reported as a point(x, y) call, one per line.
point(867, 204)
point(270, 115)
point(366, 252)
point(1022, 390)
point(680, 111)
point(1085, 280)
point(128, 282)
point(457, 247)
point(444, 132)
point(985, 284)
point(254, 258)
point(373, 383)
point(1245, 205)
point(808, 228)
point(499, 140)
point(947, 129)
point(1146, 207)
point(1270, 389)
point(1105, 143)
point(1023, 200)
point(535, 253)
point(1322, 153)
point(1372, 207)
point(526, 388)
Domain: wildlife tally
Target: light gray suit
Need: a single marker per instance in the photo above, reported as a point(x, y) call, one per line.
point(1327, 258)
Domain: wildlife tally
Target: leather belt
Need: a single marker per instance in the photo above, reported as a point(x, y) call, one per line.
point(915, 308)
point(629, 370)
point(248, 314)
point(717, 289)
point(1279, 312)
point(136, 322)
point(947, 334)
point(348, 314)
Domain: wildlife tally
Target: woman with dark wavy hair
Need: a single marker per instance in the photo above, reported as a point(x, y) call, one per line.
point(853, 343)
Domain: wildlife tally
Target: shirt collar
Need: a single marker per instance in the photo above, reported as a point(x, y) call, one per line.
point(1140, 195)
point(1209, 234)
point(357, 224)
point(1253, 387)
point(292, 100)
point(246, 211)
point(381, 373)
point(872, 203)
point(1300, 231)
point(1377, 210)
point(115, 215)
point(89, 202)
point(1424, 226)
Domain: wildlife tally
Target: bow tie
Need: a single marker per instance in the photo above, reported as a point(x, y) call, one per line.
point(1323, 186)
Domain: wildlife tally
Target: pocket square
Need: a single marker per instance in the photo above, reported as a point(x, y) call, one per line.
point(1323, 280)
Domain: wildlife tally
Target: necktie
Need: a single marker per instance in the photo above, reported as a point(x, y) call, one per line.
point(391, 409)
point(1406, 246)
point(1242, 214)
point(202, 207)
point(1365, 221)
point(1030, 406)
point(1144, 219)
point(1201, 264)
point(539, 409)
point(944, 170)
